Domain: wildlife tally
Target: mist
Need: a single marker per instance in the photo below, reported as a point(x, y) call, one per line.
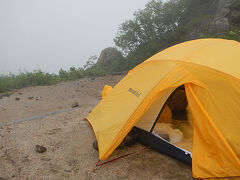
point(54, 34)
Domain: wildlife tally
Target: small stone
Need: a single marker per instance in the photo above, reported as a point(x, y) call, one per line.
point(73, 162)
point(45, 159)
point(25, 158)
point(40, 149)
point(17, 98)
point(76, 169)
point(67, 169)
point(75, 104)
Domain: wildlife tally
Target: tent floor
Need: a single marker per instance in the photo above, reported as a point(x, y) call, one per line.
point(163, 146)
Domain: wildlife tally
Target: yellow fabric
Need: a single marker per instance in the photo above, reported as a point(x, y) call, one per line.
point(209, 69)
point(228, 178)
point(219, 54)
point(106, 90)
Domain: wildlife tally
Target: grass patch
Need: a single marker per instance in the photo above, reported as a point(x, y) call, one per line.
point(39, 78)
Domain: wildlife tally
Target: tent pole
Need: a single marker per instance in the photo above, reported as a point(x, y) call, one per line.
point(158, 116)
point(155, 122)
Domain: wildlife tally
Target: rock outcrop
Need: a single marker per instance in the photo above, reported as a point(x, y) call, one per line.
point(215, 17)
point(221, 22)
point(110, 59)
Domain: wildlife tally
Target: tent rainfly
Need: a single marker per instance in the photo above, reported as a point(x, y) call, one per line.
point(209, 71)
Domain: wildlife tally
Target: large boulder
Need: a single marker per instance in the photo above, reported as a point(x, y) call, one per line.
point(110, 59)
point(234, 14)
point(214, 17)
point(220, 22)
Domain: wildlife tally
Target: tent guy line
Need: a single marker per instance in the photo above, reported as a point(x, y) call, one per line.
point(39, 116)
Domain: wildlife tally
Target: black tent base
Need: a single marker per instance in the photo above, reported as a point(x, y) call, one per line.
point(157, 143)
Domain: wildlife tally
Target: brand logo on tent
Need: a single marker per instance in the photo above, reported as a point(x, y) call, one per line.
point(136, 93)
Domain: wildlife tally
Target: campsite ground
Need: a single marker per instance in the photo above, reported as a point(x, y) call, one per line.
point(68, 138)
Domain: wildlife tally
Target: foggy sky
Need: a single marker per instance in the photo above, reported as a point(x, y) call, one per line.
point(54, 34)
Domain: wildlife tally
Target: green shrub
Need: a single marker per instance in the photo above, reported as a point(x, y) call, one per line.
point(24, 79)
point(39, 78)
point(232, 34)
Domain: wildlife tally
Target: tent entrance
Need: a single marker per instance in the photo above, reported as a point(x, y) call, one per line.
point(171, 129)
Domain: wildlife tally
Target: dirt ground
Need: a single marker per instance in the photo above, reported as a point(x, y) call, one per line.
point(68, 138)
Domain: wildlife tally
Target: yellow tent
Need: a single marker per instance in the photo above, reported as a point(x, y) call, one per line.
point(209, 69)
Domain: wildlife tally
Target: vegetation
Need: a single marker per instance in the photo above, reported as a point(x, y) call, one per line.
point(39, 78)
point(149, 25)
point(233, 34)
point(158, 26)
point(8, 82)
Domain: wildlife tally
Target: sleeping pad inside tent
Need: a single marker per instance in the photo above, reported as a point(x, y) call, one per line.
point(209, 138)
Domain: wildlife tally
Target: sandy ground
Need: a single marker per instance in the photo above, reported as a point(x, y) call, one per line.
point(68, 138)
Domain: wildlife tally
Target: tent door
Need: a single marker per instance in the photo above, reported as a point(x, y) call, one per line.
point(153, 136)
